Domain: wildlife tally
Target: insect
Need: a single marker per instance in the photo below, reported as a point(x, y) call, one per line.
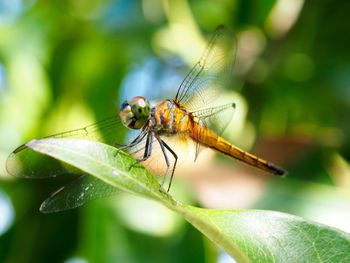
point(189, 115)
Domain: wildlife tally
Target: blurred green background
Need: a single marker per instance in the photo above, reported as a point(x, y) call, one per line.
point(65, 64)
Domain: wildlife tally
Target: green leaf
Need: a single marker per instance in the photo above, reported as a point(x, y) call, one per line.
point(267, 236)
point(247, 235)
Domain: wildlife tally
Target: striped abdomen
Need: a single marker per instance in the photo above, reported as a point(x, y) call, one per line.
point(210, 139)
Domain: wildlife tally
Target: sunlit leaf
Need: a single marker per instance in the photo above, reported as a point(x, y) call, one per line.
point(247, 235)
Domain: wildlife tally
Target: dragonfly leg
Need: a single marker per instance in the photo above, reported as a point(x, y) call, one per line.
point(163, 145)
point(125, 147)
point(135, 141)
point(148, 150)
point(174, 166)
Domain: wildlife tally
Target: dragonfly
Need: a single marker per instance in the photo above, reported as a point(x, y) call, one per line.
point(192, 115)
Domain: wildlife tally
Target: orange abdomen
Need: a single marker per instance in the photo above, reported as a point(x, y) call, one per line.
point(210, 139)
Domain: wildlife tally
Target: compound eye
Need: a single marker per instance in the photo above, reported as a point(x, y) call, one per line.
point(140, 111)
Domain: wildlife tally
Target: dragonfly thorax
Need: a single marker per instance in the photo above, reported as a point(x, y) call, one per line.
point(135, 113)
point(167, 119)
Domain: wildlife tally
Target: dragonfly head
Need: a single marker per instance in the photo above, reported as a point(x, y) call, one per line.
point(135, 113)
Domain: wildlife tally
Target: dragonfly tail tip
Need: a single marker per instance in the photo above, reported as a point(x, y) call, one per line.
point(276, 170)
point(280, 171)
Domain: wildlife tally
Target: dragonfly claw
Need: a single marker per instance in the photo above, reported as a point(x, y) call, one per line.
point(137, 162)
point(161, 189)
point(133, 164)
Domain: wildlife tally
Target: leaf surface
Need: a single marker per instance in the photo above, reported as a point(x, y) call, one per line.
point(247, 235)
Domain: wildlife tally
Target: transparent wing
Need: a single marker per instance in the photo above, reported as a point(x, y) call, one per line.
point(210, 74)
point(87, 188)
point(24, 162)
point(78, 192)
point(215, 118)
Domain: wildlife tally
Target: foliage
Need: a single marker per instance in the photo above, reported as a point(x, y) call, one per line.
point(247, 235)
